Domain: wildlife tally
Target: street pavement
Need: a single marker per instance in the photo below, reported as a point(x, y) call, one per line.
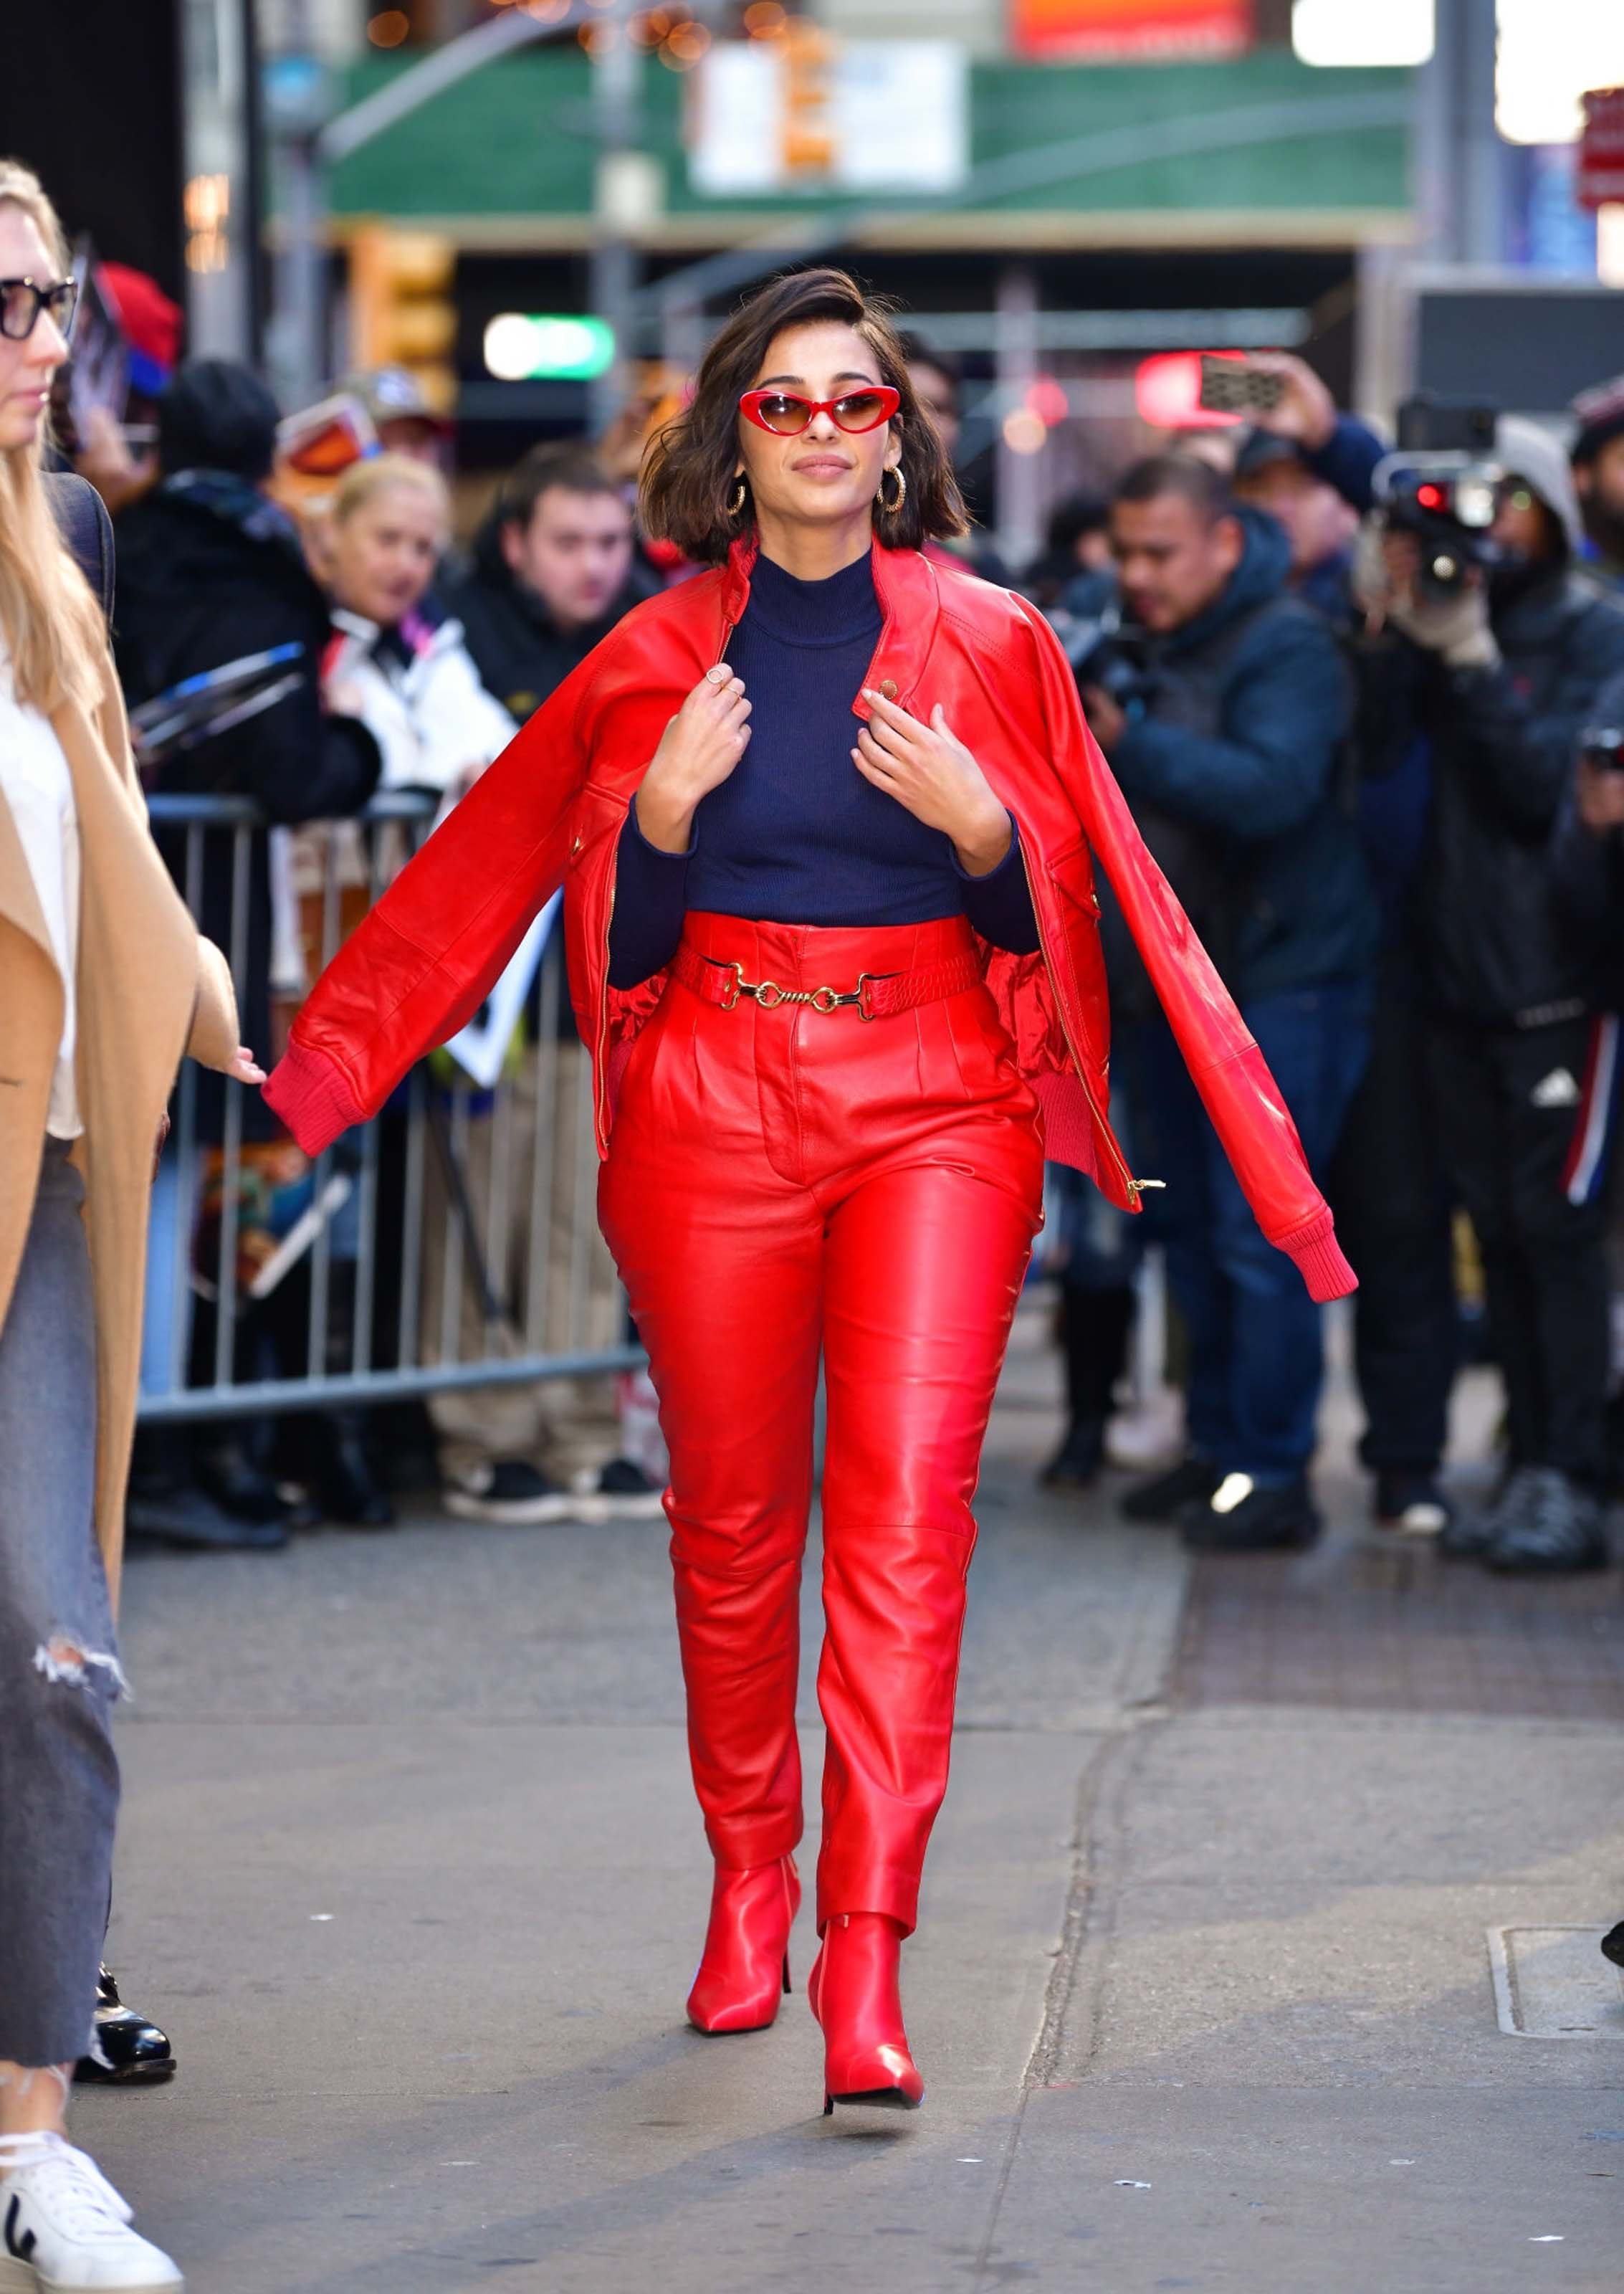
point(1202, 1987)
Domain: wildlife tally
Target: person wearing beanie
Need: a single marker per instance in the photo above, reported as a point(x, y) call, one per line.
point(1497, 675)
point(1598, 456)
point(217, 415)
point(210, 570)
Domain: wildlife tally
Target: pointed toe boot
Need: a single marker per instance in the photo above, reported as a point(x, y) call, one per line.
point(745, 1969)
point(855, 1993)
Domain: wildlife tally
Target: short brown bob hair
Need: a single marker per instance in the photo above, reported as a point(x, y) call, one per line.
point(689, 473)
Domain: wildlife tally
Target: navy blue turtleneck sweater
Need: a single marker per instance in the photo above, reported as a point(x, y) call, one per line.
point(796, 834)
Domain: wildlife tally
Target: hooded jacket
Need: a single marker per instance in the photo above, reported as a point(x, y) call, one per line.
point(553, 804)
point(1232, 774)
point(419, 696)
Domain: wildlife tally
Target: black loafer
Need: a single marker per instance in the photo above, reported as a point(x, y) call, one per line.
point(127, 2050)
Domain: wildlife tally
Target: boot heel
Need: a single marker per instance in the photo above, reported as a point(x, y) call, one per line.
point(788, 1986)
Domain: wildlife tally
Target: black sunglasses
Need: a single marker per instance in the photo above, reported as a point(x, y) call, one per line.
point(21, 301)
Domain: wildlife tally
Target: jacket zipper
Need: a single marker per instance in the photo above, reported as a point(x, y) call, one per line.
point(1135, 1187)
point(599, 1060)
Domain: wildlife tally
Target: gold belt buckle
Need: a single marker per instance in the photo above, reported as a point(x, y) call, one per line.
point(767, 994)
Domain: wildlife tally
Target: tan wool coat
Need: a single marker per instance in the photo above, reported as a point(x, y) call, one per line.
point(149, 989)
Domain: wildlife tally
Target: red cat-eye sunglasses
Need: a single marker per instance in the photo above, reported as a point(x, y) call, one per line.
point(786, 414)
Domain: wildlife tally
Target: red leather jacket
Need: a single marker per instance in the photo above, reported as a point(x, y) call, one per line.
point(552, 807)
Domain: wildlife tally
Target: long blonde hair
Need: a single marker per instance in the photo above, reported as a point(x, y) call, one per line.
point(53, 626)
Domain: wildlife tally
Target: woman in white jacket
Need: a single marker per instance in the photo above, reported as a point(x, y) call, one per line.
point(406, 674)
point(404, 671)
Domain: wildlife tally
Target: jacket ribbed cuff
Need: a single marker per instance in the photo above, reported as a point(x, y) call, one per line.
point(312, 1098)
point(1317, 1255)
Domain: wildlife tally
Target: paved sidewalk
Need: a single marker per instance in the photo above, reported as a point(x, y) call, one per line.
point(410, 1870)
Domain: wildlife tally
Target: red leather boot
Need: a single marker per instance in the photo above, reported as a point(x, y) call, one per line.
point(853, 1992)
point(745, 1968)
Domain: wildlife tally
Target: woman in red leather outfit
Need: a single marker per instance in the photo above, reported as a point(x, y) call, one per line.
point(819, 1137)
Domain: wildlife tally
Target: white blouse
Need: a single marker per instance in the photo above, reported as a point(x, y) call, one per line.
point(38, 787)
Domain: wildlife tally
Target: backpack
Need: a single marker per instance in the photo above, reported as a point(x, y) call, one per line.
point(83, 522)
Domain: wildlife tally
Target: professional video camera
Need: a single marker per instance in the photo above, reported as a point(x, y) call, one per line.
point(1108, 653)
point(1442, 485)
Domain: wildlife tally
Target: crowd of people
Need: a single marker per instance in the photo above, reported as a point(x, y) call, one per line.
point(1377, 796)
point(1390, 803)
point(1383, 773)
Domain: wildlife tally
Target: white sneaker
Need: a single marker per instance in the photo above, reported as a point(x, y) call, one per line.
point(65, 2229)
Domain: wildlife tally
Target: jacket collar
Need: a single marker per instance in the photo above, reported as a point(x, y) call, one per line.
point(910, 601)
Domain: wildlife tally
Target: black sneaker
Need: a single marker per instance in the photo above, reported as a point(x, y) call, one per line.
point(623, 1491)
point(1240, 1518)
point(1163, 1498)
point(1612, 1945)
point(1470, 1535)
point(1557, 1532)
point(510, 1490)
point(1076, 1463)
point(1411, 1504)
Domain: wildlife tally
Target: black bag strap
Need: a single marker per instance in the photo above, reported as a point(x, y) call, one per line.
point(83, 522)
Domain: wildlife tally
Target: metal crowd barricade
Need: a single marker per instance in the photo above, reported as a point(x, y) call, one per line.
point(452, 1242)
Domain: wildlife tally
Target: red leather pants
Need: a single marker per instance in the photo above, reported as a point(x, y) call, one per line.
point(779, 1181)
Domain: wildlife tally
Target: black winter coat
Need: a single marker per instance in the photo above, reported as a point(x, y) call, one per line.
point(520, 652)
point(1498, 947)
point(1232, 774)
point(209, 571)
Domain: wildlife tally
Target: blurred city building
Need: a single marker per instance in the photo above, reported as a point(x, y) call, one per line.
point(523, 201)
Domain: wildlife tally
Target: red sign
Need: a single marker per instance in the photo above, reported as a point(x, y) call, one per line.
point(1120, 31)
point(1601, 149)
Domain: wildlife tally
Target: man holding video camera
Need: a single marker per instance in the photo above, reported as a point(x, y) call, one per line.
point(1491, 649)
point(1224, 721)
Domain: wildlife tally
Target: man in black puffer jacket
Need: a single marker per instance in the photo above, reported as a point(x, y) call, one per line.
point(1498, 678)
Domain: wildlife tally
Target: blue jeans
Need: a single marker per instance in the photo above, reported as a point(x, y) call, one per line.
point(1097, 1247)
point(1255, 1354)
point(168, 1232)
point(59, 1665)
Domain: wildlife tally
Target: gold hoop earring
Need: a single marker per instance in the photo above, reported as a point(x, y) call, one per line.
point(740, 495)
point(892, 507)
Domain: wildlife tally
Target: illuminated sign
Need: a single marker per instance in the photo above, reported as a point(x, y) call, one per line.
point(542, 347)
point(1124, 30)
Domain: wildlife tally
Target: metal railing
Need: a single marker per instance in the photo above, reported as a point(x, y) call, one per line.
point(452, 1242)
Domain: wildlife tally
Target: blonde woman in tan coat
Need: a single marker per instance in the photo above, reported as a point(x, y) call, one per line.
point(104, 984)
